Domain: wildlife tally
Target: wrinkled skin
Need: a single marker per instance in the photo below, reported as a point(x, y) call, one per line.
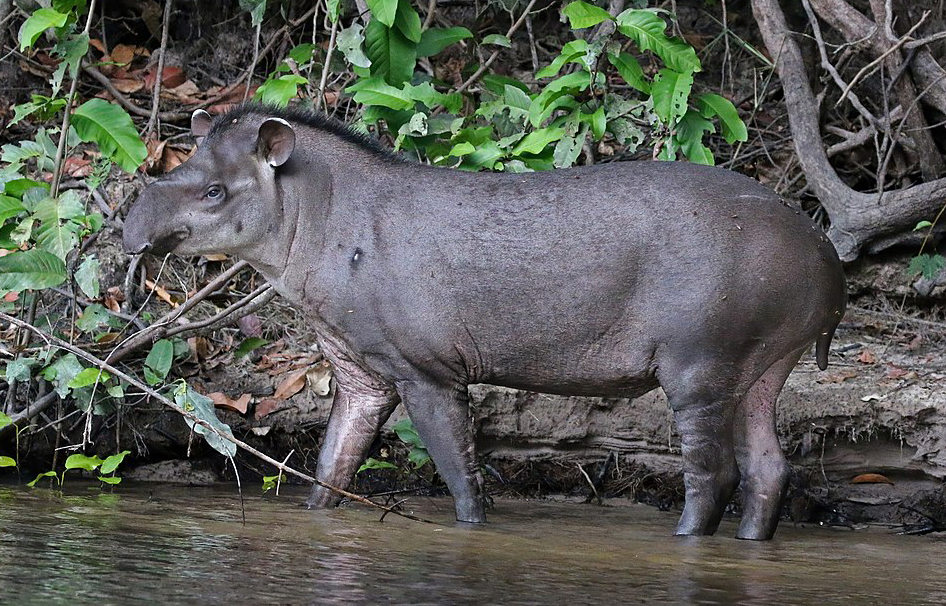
point(607, 281)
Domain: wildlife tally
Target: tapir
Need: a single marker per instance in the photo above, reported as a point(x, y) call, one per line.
point(605, 280)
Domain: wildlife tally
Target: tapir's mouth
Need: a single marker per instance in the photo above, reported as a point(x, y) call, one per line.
point(165, 244)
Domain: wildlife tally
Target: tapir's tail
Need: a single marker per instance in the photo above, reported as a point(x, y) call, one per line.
point(824, 341)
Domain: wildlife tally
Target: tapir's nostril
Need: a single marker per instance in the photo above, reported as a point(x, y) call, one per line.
point(145, 247)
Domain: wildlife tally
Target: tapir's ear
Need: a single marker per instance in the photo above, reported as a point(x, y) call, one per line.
point(276, 141)
point(200, 123)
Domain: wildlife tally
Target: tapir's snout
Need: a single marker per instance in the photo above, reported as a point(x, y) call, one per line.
point(143, 233)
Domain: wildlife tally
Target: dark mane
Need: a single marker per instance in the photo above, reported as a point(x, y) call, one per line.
point(304, 117)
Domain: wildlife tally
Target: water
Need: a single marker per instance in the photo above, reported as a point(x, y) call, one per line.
point(159, 544)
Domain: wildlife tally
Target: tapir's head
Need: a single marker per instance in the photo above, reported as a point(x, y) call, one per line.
point(224, 199)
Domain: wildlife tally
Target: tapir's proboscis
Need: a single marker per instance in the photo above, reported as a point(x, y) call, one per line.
point(606, 280)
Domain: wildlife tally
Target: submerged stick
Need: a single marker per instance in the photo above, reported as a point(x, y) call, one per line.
point(102, 365)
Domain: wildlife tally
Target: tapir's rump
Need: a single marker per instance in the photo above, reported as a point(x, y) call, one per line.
point(607, 280)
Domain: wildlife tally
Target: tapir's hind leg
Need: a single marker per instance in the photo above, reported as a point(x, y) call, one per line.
point(765, 470)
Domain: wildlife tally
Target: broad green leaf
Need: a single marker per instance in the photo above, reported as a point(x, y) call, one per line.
point(43, 106)
point(111, 128)
point(598, 122)
point(115, 391)
point(646, 28)
point(61, 372)
point(383, 10)
point(927, 265)
point(571, 53)
point(18, 369)
point(7, 462)
point(371, 463)
point(392, 55)
point(203, 408)
point(278, 91)
point(349, 42)
point(71, 50)
point(31, 270)
point(87, 276)
point(333, 6)
point(733, 128)
point(581, 14)
point(542, 105)
point(18, 188)
point(58, 228)
point(18, 153)
point(407, 433)
point(9, 207)
point(93, 317)
point(248, 345)
point(5, 420)
point(514, 97)
point(497, 40)
point(484, 156)
point(568, 149)
point(111, 463)
point(407, 21)
point(922, 225)
point(255, 8)
point(435, 39)
point(671, 90)
point(431, 97)
point(689, 137)
point(375, 91)
point(47, 474)
point(110, 480)
point(496, 83)
point(302, 53)
point(459, 150)
point(629, 68)
point(418, 456)
point(89, 376)
point(159, 360)
point(81, 461)
point(39, 22)
point(537, 140)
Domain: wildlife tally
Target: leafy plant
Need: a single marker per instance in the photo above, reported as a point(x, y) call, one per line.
point(405, 431)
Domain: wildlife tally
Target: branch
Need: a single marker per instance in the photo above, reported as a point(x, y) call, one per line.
point(102, 365)
point(482, 69)
point(156, 95)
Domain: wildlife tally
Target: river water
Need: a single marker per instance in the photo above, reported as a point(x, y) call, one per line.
point(157, 544)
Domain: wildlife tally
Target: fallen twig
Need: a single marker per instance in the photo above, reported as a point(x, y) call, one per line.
point(102, 365)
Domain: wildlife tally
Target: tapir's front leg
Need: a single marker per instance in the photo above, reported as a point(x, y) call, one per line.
point(441, 415)
point(358, 412)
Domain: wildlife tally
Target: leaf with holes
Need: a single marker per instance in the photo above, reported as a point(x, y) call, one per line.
point(670, 91)
point(38, 23)
point(111, 128)
point(349, 41)
point(87, 276)
point(646, 28)
point(203, 408)
point(689, 137)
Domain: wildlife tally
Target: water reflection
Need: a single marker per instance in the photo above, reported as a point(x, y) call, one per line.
point(164, 544)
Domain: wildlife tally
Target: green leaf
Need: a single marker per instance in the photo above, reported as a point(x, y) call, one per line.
point(927, 265)
point(598, 121)
point(435, 39)
point(689, 137)
point(18, 369)
point(733, 128)
point(537, 140)
point(61, 372)
point(392, 55)
point(7, 462)
point(375, 91)
point(203, 408)
point(349, 42)
point(255, 8)
point(39, 22)
point(629, 68)
point(407, 21)
point(9, 207)
point(248, 345)
point(111, 128)
point(372, 463)
point(278, 91)
point(80, 461)
point(383, 10)
point(58, 230)
point(333, 9)
point(159, 360)
point(47, 474)
point(93, 317)
point(5, 420)
point(87, 276)
point(922, 225)
point(459, 150)
point(581, 14)
point(71, 49)
point(89, 376)
point(110, 480)
point(543, 104)
point(571, 53)
point(497, 40)
point(568, 149)
point(418, 456)
point(670, 91)
point(111, 463)
point(646, 28)
point(31, 270)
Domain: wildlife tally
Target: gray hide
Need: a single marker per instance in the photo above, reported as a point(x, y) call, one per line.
point(607, 280)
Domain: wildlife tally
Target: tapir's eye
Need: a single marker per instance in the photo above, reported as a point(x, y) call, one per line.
point(214, 192)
